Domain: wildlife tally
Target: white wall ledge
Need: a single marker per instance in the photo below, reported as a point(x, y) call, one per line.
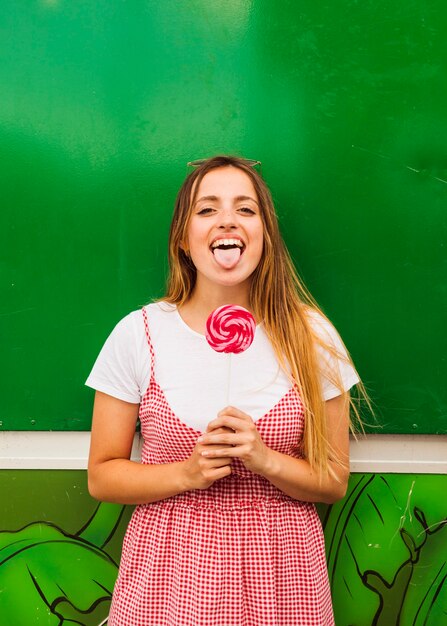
point(397, 454)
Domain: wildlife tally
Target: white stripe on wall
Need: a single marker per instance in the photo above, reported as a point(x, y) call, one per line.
point(402, 454)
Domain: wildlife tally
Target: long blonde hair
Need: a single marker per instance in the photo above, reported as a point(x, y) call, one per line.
point(278, 297)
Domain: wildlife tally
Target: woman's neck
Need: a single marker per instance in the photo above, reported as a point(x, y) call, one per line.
point(196, 310)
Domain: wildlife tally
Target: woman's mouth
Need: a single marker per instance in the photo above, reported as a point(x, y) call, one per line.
point(227, 252)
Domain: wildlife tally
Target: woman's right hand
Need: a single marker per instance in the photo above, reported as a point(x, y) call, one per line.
point(201, 472)
point(114, 477)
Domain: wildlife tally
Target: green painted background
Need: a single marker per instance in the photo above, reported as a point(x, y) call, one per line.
point(103, 103)
point(385, 543)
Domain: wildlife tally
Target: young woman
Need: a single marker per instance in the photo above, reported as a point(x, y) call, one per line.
point(226, 532)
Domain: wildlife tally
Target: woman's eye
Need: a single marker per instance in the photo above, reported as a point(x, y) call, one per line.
point(205, 211)
point(247, 209)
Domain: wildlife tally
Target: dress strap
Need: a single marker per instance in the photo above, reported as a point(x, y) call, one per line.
point(148, 337)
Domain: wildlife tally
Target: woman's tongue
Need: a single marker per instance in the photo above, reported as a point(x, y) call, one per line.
point(227, 258)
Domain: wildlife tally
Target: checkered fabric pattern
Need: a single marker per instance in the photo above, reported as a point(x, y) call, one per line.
point(240, 553)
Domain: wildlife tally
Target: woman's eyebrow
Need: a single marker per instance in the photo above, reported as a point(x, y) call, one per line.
point(206, 199)
point(242, 198)
point(215, 199)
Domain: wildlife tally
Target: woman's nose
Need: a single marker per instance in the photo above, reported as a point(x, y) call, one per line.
point(227, 220)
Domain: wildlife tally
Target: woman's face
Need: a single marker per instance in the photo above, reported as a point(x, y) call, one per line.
point(225, 233)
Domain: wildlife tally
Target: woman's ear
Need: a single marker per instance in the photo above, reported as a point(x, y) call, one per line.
point(184, 248)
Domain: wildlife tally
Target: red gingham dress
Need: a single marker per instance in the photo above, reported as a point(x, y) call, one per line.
point(240, 553)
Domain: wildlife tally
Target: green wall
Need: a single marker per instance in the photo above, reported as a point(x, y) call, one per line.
point(385, 544)
point(102, 104)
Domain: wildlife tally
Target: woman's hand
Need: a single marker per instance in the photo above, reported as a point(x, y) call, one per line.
point(241, 440)
point(201, 470)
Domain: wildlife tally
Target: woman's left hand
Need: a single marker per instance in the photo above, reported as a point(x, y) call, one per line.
point(245, 439)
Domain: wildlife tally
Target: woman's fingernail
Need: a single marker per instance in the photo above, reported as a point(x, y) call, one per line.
point(200, 439)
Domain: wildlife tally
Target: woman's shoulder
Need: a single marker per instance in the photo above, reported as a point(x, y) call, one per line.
point(161, 316)
point(319, 323)
point(130, 330)
point(335, 364)
point(159, 308)
point(155, 312)
point(324, 332)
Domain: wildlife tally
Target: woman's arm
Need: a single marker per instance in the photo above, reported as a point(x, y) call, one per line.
point(293, 476)
point(112, 477)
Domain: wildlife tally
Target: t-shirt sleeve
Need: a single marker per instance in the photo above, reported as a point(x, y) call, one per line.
point(329, 364)
point(122, 369)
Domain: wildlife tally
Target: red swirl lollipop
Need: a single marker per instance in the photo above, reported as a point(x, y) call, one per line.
point(230, 328)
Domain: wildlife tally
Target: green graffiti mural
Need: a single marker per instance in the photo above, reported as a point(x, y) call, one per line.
point(386, 549)
point(50, 577)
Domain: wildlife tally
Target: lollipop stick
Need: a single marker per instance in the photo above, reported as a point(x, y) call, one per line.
point(229, 379)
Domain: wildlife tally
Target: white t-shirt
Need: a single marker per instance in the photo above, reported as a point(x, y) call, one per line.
point(197, 381)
